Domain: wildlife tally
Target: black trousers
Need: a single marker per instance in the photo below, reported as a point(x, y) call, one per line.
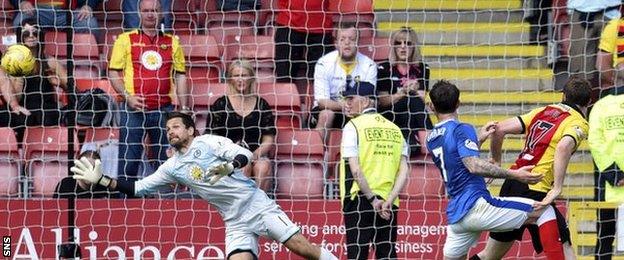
point(606, 224)
point(410, 115)
point(365, 226)
point(294, 48)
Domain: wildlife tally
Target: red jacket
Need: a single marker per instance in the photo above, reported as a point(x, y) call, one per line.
point(305, 15)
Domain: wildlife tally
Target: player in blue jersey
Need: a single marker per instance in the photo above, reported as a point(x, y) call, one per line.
point(210, 165)
point(471, 209)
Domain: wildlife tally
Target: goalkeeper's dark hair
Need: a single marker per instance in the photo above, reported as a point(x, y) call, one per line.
point(444, 96)
point(187, 119)
point(577, 91)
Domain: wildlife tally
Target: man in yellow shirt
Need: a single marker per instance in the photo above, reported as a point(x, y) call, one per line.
point(610, 59)
point(146, 65)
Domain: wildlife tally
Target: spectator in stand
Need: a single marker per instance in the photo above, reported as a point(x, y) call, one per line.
point(302, 36)
point(247, 120)
point(588, 17)
point(403, 79)
point(32, 100)
point(153, 65)
point(538, 18)
point(609, 63)
point(50, 14)
point(70, 187)
point(238, 5)
point(130, 9)
point(333, 72)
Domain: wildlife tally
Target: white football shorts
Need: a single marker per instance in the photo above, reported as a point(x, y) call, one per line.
point(499, 214)
point(263, 217)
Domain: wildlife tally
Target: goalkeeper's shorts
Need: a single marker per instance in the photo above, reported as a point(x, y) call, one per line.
point(263, 217)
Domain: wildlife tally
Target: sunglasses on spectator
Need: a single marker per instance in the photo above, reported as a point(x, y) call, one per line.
point(30, 33)
point(407, 43)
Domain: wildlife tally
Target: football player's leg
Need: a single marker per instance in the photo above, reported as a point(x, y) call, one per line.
point(240, 245)
point(282, 229)
point(494, 249)
point(549, 234)
point(458, 242)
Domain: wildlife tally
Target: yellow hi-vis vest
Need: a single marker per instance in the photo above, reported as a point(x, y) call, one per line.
point(380, 143)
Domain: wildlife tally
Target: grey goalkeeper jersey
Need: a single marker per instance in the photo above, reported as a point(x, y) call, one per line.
point(230, 195)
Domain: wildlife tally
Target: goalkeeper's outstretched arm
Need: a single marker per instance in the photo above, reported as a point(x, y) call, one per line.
point(92, 173)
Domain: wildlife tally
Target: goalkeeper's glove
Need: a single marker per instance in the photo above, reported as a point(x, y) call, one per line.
point(84, 170)
point(219, 171)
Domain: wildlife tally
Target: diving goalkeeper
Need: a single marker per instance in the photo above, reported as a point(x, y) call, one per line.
point(211, 165)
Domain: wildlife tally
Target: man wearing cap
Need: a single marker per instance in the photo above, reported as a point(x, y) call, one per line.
point(373, 170)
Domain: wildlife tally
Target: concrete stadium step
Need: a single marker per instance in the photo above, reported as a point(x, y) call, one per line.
point(488, 109)
point(486, 63)
point(482, 51)
point(511, 97)
point(569, 192)
point(463, 33)
point(402, 5)
point(497, 79)
point(454, 16)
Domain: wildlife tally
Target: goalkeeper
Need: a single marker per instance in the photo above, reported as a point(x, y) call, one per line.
point(211, 165)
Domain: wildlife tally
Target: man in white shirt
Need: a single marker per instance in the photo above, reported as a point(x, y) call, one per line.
point(333, 72)
point(211, 166)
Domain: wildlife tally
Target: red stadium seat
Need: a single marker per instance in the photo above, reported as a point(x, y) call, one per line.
point(9, 164)
point(299, 165)
point(203, 56)
point(184, 14)
point(45, 152)
point(203, 95)
point(266, 15)
point(86, 53)
point(376, 48)
point(424, 181)
point(334, 140)
point(104, 84)
point(107, 48)
point(110, 16)
point(259, 50)
point(356, 11)
point(284, 99)
point(101, 134)
point(221, 24)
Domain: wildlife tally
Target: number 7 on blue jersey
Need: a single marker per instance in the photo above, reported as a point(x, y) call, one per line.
point(439, 153)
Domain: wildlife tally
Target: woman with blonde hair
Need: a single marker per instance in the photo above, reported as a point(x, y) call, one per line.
point(402, 81)
point(246, 119)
